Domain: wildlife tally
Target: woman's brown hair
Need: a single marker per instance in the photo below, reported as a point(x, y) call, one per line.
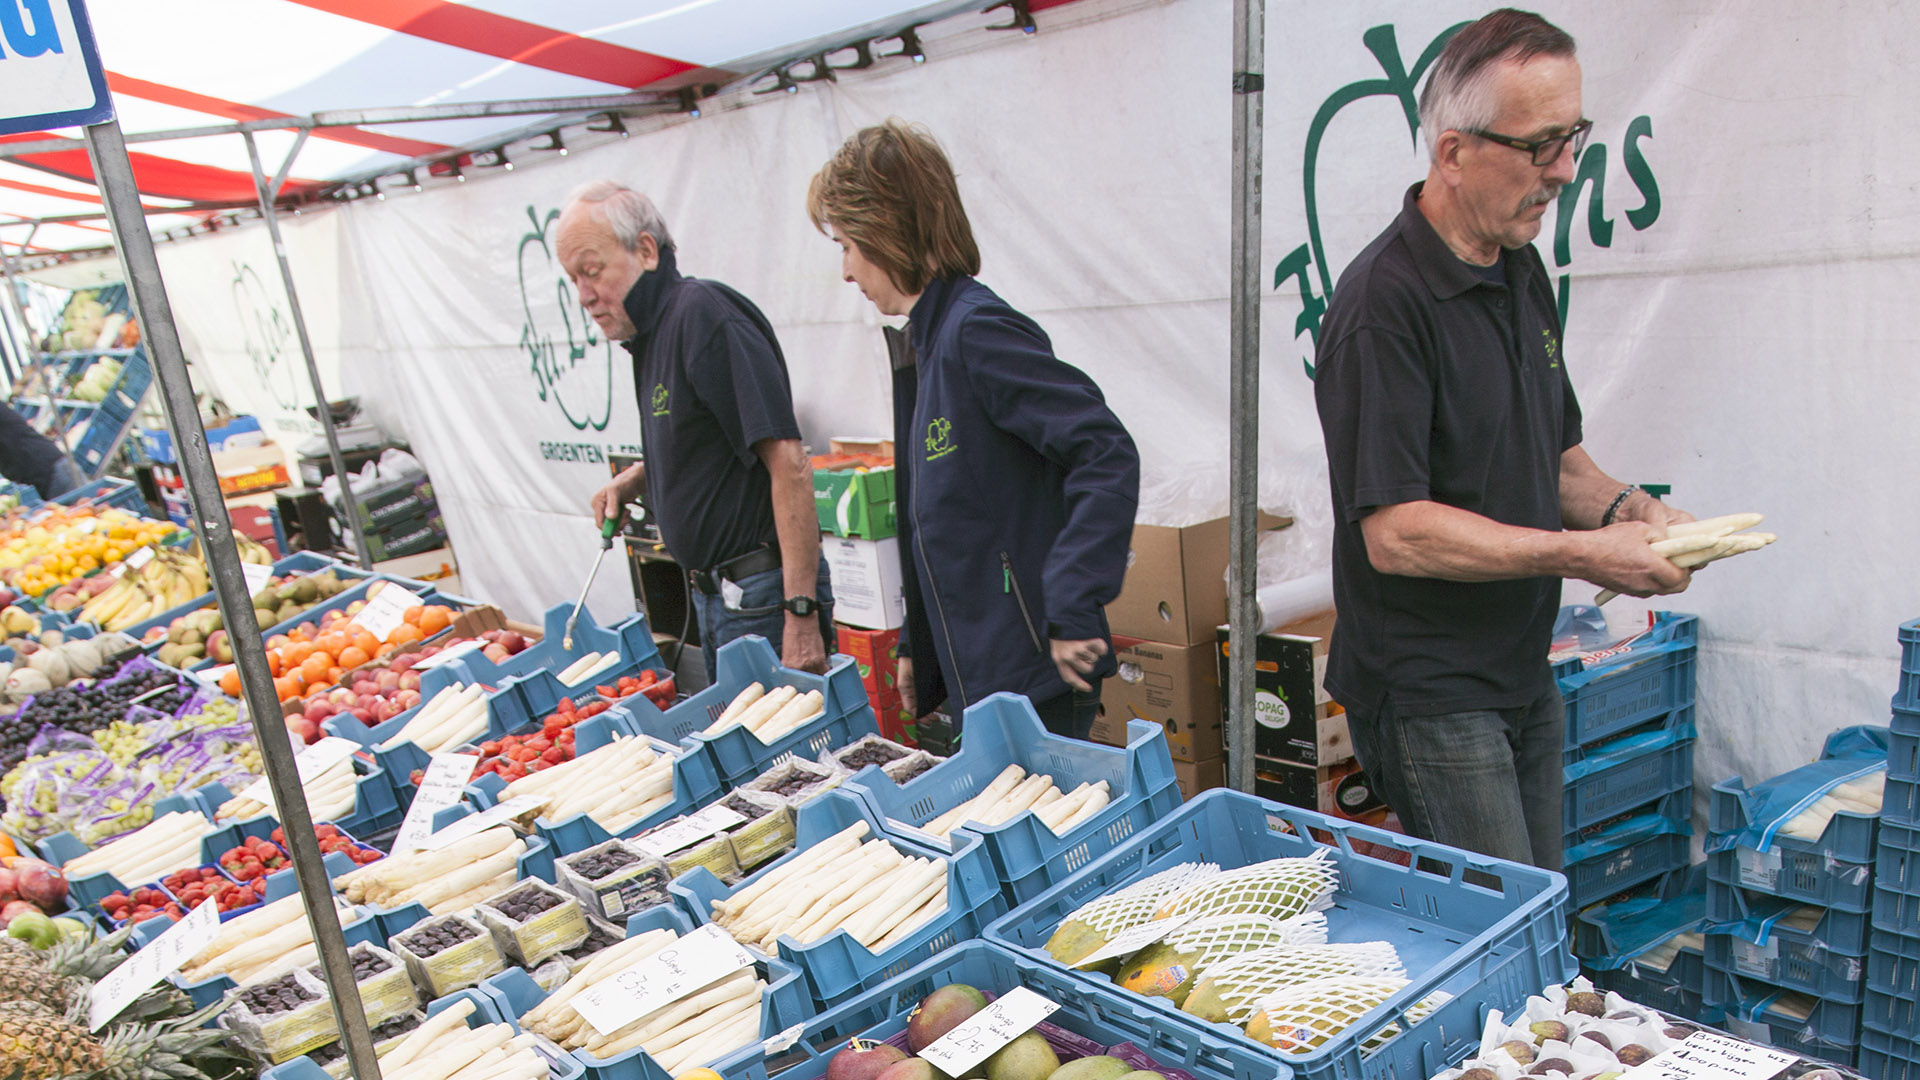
point(890, 191)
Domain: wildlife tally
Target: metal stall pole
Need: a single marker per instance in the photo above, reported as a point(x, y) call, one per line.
point(107, 150)
point(1243, 612)
point(266, 195)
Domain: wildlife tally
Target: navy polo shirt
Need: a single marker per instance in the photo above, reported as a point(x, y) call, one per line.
point(711, 382)
point(1437, 381)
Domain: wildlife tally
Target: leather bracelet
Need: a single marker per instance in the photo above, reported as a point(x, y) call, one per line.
point(1613, 508)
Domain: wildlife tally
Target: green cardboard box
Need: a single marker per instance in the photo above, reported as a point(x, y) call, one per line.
point(854, 503)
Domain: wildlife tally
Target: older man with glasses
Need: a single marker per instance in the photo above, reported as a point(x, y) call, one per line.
point(1461, 493)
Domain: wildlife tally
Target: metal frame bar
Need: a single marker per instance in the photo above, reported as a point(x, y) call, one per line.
point(325, 413)
point(1243, 545)
point(108, 154)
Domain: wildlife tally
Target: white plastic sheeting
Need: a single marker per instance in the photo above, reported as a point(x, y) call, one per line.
point(1742, 336)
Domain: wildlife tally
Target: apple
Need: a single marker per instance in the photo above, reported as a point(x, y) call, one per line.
point(388, 681)
point(305, 730)
point(408, 680)
point(355, 607)
point(512, 641)
point(408, 698)
point(496, 652)
point(340, 695)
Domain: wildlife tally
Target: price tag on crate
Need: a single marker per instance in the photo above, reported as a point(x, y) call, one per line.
point(690, 830)
point(1759, 869)
point(1131, 941)
point(697, 960)
point(138, 558)
point(387, 610)
point(1706, 1056)
point(161, 958)
point(1011, 1015)
point(454, 652)
point(257, 576)
point(1755, 960)
point(311, 762)
point(484, 820)
point(440, 787)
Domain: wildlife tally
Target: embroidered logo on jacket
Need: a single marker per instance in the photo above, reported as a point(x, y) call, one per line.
point(659, 399)
point(939, 431)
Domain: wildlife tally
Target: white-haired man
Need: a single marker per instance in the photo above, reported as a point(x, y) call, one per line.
point(727, 479)
point(1461, 493)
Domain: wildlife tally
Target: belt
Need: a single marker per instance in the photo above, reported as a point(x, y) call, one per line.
point(758, 561)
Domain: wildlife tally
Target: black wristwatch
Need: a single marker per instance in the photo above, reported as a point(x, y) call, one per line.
point(802, 606)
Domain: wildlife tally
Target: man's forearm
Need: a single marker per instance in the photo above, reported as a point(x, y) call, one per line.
point(1434, 540)
point(1586, 492)
point(795, 521)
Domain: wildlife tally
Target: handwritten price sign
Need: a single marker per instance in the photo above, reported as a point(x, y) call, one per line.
point(1014, 1014)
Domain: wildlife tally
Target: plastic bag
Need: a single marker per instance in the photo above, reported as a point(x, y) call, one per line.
point(1851, 754)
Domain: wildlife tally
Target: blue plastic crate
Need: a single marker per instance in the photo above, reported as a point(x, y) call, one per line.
point(1889, 1057)
point(1627, 773)
point(356, 927)
point(784, 1004)
point(486, 1010)
point(738, 754)
point(1897, 864)
point(1834, 871)
point(1893, 965)
point(631, 638)
point(1003, 730)
point(694, 786)
point(61, 848)
point(1490, 942)
point(400, 759)
point(107, 491)
point(1841, 931)
point(837, 966)
point(1612, 935)
point(345, 599)
point(1675, 807)
point(27, 495)
point(1753, 1007)
point(1892, 1012)
point(1677, 991)
point(1908, 696)
point(1629, 853)
point(1789, 961)
point(1654, 676)
point(1088, 1020)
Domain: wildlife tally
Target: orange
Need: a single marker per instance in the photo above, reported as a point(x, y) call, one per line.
point(230, 683)
point(287, 686)
point(412, 615)
point(334, 673)
point(297, 653)
point(315, 667)
point(353, 656)
point(434, 618)
point(332, 642)
point(273, 662)
point(404, 635)
point(366, 642)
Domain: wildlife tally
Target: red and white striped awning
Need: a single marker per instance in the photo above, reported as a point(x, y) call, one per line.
point(200, 63)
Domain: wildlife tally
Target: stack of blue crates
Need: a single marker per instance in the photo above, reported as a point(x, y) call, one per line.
point(1890, 1037)
point(113, 417)
point(1789, 926)
point(1629, 760)
point(1649, 947)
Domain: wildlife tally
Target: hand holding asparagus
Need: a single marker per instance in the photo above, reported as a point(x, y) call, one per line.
point(1694, 544)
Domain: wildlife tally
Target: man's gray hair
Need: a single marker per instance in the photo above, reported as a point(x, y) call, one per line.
point(627, 212)
point(1459, 92)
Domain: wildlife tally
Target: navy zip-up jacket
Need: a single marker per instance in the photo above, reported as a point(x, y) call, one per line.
point(1016, 489)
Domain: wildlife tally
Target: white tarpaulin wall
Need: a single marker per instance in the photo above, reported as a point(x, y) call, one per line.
point(1739, 266)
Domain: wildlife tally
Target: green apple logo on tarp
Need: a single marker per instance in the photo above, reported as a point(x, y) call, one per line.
point(1402, 83)
point(264, 336)
point(572, 368)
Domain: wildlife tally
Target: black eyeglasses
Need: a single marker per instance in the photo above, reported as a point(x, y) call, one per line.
point(1545, 151)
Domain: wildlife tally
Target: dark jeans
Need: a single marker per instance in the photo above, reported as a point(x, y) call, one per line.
point(1487, 780)
point(759, 612)
point(1071, 714)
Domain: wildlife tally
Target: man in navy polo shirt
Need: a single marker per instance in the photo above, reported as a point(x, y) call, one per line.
point(1461, 493)
point(726, 476)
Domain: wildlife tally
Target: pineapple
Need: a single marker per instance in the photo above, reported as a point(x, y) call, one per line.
point(54, 977)
point(36, 1043)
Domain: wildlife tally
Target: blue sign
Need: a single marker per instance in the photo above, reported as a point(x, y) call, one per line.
point(50, 72)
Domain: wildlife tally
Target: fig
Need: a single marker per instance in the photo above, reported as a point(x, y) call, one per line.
point(1586, 1003)
point(1633, 1054)
point(1547, 1065)
point(1598, 1037)
point(1479, 1072)
point(1519, 1051)
point(1544, 1030)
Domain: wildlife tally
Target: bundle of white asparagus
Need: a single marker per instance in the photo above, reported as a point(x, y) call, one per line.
point(616, 785)
point(868, 889)
point(588, 666)
point(1013, 792)
point(330, 796)
point(454, 878)
point(699, 1028)
point(152, 851)
point(257, 946)
point(1861, 795)
point(1693, 544)
point(445, 1048)
point(769, 714)
point(455, 715)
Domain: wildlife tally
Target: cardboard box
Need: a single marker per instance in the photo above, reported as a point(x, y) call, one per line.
point(1175, 686)
point(852, 502)
point(876, 653)
point(1176, 586)
point(1294, 720)
point(407, 537)
point(256, 522)
point(251, 468)
point(1339, 790)
point(870, 445)
point(866, 581)
point(381, 505)
point(1195, 777)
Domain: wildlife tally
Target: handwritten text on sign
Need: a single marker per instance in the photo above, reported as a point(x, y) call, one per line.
point(1706, 1056)
point(484, 820)
point(312, 762)
point(699, 959)
point(689, 831)
point(161, 958)
point(256, 576)
point(440, 787)
point(1012, 1015)
point(387, 610)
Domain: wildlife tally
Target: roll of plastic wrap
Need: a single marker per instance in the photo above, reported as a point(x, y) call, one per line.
point(1291, 601)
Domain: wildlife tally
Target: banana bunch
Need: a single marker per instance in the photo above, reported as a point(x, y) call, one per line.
point(251, 550)
point(166, 581)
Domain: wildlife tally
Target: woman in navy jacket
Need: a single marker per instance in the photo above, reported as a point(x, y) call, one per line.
point(1016, 485)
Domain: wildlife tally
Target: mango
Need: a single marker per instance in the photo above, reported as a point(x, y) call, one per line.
point(941, 1012)
point(1159, 970)
point(913, 1068)
point(863, 1059)
point(1028, 1057)
point(1101, 1067)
